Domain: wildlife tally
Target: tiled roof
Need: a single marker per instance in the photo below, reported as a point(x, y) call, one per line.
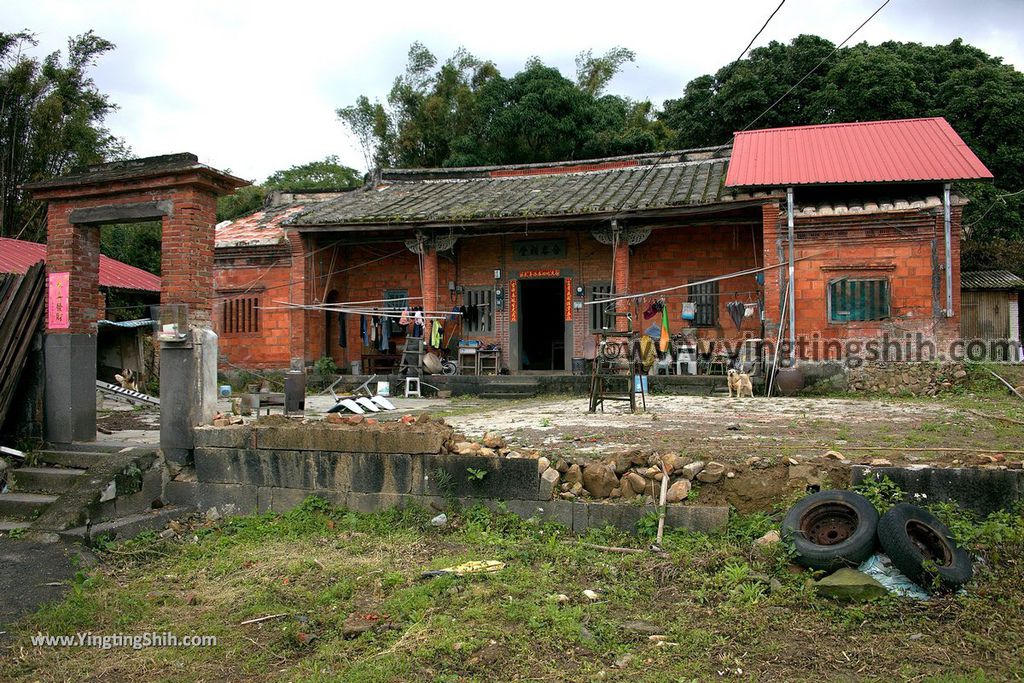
point(17, 255)
point(906, 150)
point(990, 279)
point(602, 186)
point(132, 169)
point(264, 227)
point(875, 205)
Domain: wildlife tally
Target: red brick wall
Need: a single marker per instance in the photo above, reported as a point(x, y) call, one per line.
point(893, 246)
point(899, 245)
point(683, 254)
point(187, 243)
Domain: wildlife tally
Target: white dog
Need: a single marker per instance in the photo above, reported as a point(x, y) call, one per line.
point(740, 383)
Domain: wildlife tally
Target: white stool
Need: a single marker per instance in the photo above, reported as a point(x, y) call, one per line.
point(412, 387)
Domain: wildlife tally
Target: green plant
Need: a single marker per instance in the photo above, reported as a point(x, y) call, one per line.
point(647, 526)
point(545, 422)
point(475, 474)
point(883, 493)
point(748, 594)
point(17, 533)
point(325, 366)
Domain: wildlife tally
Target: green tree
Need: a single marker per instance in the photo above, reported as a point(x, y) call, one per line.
point(326, 174)
point(51, 121)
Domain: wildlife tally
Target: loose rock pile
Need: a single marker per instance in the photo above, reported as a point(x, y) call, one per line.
point(918, 379)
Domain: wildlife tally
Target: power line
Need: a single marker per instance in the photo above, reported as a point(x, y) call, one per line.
point(817, 66)
point(664, 155)
point(758, 34)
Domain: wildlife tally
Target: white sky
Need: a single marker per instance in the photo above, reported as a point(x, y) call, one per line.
point(252, 86)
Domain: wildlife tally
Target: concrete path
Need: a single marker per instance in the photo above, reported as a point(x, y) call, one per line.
point(35, 574)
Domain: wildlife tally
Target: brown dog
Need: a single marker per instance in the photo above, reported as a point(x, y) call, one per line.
point(127, 379)
point(740, 383)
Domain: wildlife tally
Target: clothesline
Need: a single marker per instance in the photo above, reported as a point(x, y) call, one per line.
point(388, 313)
point(728, 276)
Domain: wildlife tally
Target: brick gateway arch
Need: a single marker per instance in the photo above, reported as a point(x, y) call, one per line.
point(182, 194)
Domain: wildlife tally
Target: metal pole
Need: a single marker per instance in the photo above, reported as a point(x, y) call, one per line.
point(947, 220)
point(792, 289)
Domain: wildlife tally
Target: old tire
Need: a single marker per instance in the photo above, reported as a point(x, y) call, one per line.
point(831, 529)
point(923, 548)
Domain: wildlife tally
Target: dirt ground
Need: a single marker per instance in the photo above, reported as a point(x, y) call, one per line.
point(733, 430)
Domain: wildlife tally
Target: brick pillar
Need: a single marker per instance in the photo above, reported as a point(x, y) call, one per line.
point(75, 249)
point(187, 253)
point(300, 283)
point(70, 406)
point(773, 252)
point(622, 284)
point(430, 279)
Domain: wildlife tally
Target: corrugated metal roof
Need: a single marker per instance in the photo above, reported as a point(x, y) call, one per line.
point(990, 279)
point(907, 150)
point(17, 255)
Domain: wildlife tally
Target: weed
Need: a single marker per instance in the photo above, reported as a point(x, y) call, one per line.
point(883, 493)
point(17, 533)
point(475, 474)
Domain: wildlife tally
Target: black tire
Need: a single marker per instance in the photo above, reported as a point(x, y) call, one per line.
point(923, 548)
point(831, 529)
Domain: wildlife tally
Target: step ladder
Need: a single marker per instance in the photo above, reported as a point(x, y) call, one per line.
point(618, 376)
point(412, 357)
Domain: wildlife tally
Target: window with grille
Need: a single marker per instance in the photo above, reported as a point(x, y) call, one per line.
point(241, 315)
point(855, 300)
point(601, 314)
point(396, 300)
point(704, 298)
point(478, 313)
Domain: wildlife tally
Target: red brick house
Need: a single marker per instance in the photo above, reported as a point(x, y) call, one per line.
point(528, 248)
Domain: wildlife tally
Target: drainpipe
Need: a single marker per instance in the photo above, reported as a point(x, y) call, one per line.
point(792, 287)
point(949, 249)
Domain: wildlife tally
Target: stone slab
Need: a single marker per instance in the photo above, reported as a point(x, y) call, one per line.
point(982, 491)
point(236, 436)
point(229, 499)
point(287, 469)
point(375, 439)
point(505, 479)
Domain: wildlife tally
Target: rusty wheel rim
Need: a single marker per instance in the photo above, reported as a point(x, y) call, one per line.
point(829, 523)
point(930, 543)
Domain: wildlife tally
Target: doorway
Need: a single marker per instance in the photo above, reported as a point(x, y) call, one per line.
point(542, 324)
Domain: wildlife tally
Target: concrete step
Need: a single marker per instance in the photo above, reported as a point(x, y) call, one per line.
point(44, 479)
point(6, 525)
point(123, 528)
point(507, 395)
point(91, 447)
point(76, 459)
point(23, 506)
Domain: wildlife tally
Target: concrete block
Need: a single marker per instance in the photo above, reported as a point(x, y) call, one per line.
point(982, 491)
point(390, 473)
point(229, 499)
point(515, 479)
point(620, 516)
point(142, 500)
point(237, 436)
point(550, 511)
point(375, 439)
point(333, 471)
point(288, 469)
point(283, 499)
point(375, 502)
point(182, 493)
point(702, 518)
point(70, 397)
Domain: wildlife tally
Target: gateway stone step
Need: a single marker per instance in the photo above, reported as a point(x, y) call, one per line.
point(23, 506)
point(76, 459)
point(44, 479)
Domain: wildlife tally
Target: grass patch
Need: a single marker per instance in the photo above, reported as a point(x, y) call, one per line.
point(730, 611)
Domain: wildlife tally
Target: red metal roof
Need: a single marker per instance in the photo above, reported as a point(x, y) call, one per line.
point(17, 255)
point(906, 150)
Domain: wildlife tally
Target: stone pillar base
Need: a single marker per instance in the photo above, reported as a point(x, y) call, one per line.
point(70, 413)
point(188, 392)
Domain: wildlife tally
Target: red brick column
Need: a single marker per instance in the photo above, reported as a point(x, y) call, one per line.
point(430, 279)
point(75, 250)
point(621, 257)
point(300, 284)
point(187, 262)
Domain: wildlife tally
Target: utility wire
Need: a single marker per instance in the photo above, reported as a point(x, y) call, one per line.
point(817, 66)
point(664, 155)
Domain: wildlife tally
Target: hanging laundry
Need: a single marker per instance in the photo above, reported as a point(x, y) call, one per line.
point(405, 319)
point(435, 334)
point(689, 310)
point(737, 311)
point(647, 353)
point(364, 330)
point(385, 334)
point(342, 335)
point(664, 340)
point(417, 326)
point(651, 311)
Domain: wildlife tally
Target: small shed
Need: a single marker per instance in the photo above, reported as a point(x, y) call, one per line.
point(990, 306)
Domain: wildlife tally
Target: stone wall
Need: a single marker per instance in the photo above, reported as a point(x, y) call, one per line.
point(258, 468)
point(918, 379)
